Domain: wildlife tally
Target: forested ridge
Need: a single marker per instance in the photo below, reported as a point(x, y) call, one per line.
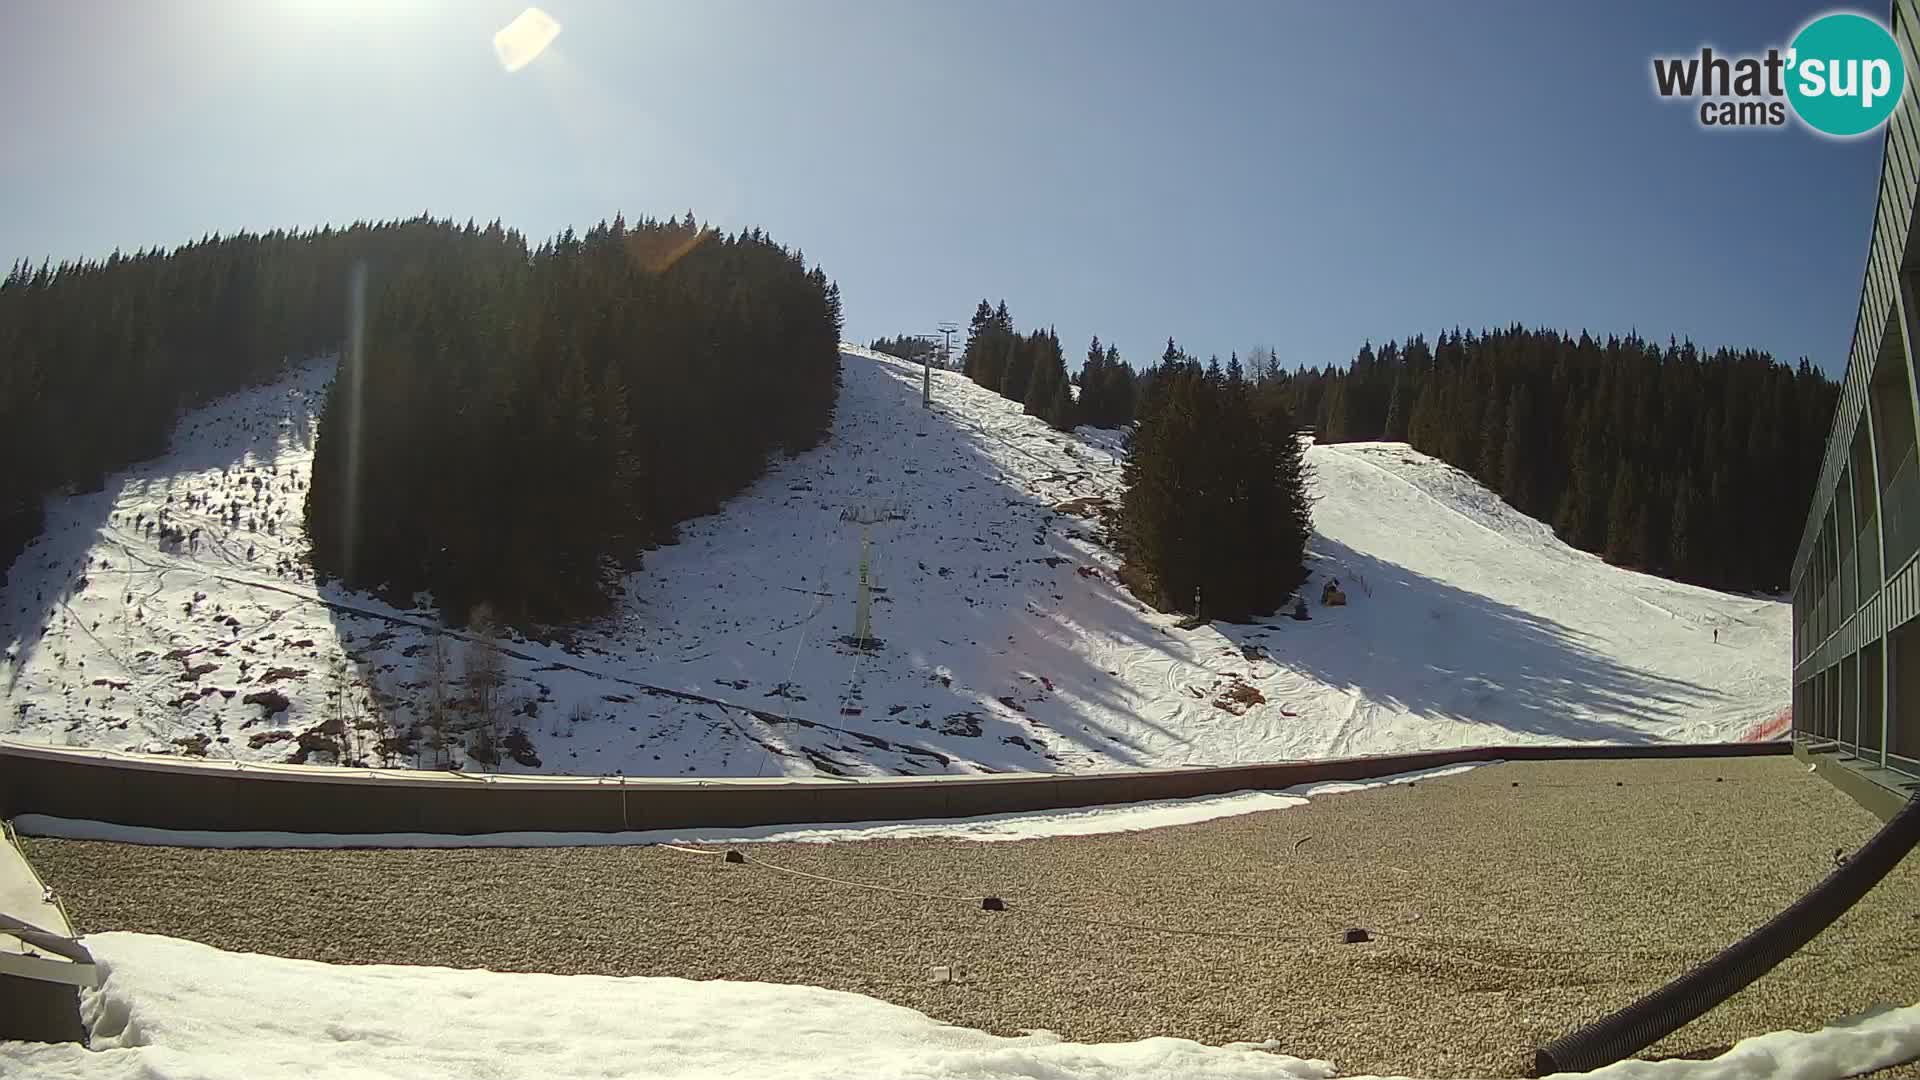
point(1667, 458)
point(1031, 369)
point(1695, 465)
point(508, 426)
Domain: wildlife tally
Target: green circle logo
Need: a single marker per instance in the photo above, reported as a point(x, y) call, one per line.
point(1845, 74)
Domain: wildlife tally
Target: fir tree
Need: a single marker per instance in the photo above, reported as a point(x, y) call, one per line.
point(1398, 412)
point(1017, 371)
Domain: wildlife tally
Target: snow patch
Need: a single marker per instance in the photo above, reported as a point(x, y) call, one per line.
point(171, 1010)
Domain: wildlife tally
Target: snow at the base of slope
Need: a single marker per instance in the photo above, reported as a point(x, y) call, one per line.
point(170, 1010)
point(1033, 825)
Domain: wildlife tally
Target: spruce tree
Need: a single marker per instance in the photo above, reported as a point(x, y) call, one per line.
point(1093, 384)
point(1398, 412)
point(1117, 399)
point(1060, 409)
point(1017, 371)
point(1337, 422)
point(1215, 499)
point(1516, 461)
point(1048, 368)
point(1680, 555)
point(1621, 534)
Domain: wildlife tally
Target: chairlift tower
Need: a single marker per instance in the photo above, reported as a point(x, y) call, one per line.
point(866, 517)
point(947, 330)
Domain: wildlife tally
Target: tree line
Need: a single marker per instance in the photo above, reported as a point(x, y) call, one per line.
point(515, 426)
point(507, 425)
point(1669, 459)
point(914, 347)
point(1031, 369)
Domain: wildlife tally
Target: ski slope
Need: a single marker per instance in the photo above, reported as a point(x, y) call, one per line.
point(1007, 642)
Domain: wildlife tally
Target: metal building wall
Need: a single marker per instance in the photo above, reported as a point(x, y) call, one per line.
point(1865, 515)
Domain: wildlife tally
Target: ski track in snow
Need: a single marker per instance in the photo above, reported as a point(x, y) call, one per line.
point(1008, 643)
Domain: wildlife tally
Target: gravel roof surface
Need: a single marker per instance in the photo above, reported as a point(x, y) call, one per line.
point(1509, 905)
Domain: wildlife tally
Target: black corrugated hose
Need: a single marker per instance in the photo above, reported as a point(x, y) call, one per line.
point(1662, 1012)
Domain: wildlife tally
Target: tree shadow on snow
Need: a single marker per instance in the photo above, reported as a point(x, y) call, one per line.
point(982, 555)
point(97, 583)
point(1432, 649)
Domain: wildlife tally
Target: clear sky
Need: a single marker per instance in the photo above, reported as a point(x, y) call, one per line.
point(1229, 173)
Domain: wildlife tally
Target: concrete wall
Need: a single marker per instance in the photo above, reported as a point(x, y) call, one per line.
point(159, 793)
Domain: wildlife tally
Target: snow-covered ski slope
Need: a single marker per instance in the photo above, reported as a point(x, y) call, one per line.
point(1007, 642)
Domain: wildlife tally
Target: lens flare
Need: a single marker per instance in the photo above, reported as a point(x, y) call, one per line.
point(525, 38)
point(353, 369)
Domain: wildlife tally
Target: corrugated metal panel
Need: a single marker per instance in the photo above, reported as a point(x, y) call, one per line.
point(1890, 248)
point(1902, 143)
point(1892, 222)
point(1902, 594)
point(1876, 301)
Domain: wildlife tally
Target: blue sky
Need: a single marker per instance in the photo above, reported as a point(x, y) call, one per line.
point(1229, 173)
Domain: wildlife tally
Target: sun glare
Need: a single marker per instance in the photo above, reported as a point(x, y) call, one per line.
point(525, 38)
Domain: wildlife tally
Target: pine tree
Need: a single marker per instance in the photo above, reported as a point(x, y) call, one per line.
point(1048, 368)
point(1151, 526)
point(1093, 384)
point(1116, 401)
point(1215, 500)
point(979, 328)
point(1493, 442)
point(1680, 554)
point(1621, 538)
point(1338, 422)
point(1060, 408)
point(1017, 372)
point(1516, 461)
point(1398, 412)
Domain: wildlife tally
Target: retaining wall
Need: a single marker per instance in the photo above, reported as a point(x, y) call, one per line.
point(131, 789)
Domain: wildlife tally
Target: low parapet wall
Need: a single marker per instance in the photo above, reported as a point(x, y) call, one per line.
point(132, 789)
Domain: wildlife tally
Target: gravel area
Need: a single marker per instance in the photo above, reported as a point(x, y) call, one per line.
point(1509, 905)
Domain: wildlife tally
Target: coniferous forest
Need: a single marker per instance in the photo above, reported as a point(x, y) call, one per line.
point(1668, 459)
point(98, 358)
point(1029, 369)
point(1216, 501)
point(508, 425)
point(519, 424)
point(1692, 465)
point(920, 350)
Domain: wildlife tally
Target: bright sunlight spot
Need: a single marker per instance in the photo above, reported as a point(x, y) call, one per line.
point(523, 39)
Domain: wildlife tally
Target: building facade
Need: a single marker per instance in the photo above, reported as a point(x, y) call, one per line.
point(1856, 583)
